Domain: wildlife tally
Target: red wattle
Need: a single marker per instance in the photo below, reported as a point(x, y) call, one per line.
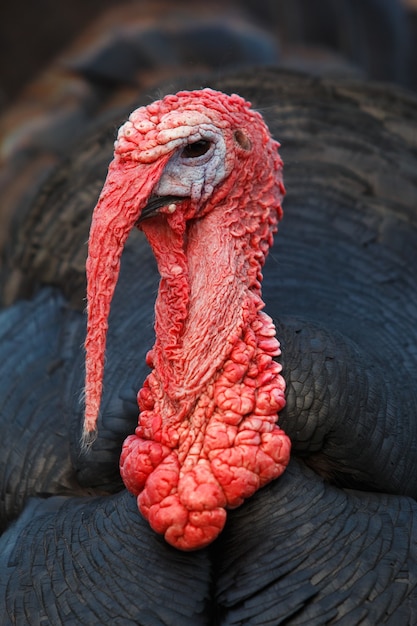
point(228, 444)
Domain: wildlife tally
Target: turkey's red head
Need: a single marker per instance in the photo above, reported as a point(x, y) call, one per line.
point(199, 173)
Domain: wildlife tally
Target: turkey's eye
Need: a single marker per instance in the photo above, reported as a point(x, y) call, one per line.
point(196, 149)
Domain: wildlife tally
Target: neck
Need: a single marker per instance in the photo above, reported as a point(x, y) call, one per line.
point(207, 427)
point(203, 303)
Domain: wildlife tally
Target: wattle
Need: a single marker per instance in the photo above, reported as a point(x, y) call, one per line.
point(210, 452)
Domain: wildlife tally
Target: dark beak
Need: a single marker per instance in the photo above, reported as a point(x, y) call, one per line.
point(155, 203)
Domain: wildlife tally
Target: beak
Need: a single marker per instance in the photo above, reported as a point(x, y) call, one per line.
point(155, 203)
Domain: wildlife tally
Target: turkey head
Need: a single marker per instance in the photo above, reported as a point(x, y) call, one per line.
point(199, 173)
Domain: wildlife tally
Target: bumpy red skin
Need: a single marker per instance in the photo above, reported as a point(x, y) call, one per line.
point(207, 436)
point(213, 453)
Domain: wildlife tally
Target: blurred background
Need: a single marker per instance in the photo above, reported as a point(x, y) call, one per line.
point(32, 34)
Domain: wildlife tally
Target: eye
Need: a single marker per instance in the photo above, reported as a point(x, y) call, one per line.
point(196, 149)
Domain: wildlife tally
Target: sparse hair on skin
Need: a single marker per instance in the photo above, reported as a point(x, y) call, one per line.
point(87, 438)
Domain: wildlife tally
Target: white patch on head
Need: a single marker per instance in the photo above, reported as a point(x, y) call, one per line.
point(145, 138)
point(194, 177)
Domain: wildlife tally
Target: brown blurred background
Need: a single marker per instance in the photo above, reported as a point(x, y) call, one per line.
point(33, 33)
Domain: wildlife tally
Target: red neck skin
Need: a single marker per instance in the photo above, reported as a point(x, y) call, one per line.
point(207, 436)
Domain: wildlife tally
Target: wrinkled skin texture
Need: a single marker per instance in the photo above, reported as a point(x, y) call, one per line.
point(207, 436)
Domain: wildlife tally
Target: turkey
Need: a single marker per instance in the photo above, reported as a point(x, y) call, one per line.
point(331, 540)
point(207, 437)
